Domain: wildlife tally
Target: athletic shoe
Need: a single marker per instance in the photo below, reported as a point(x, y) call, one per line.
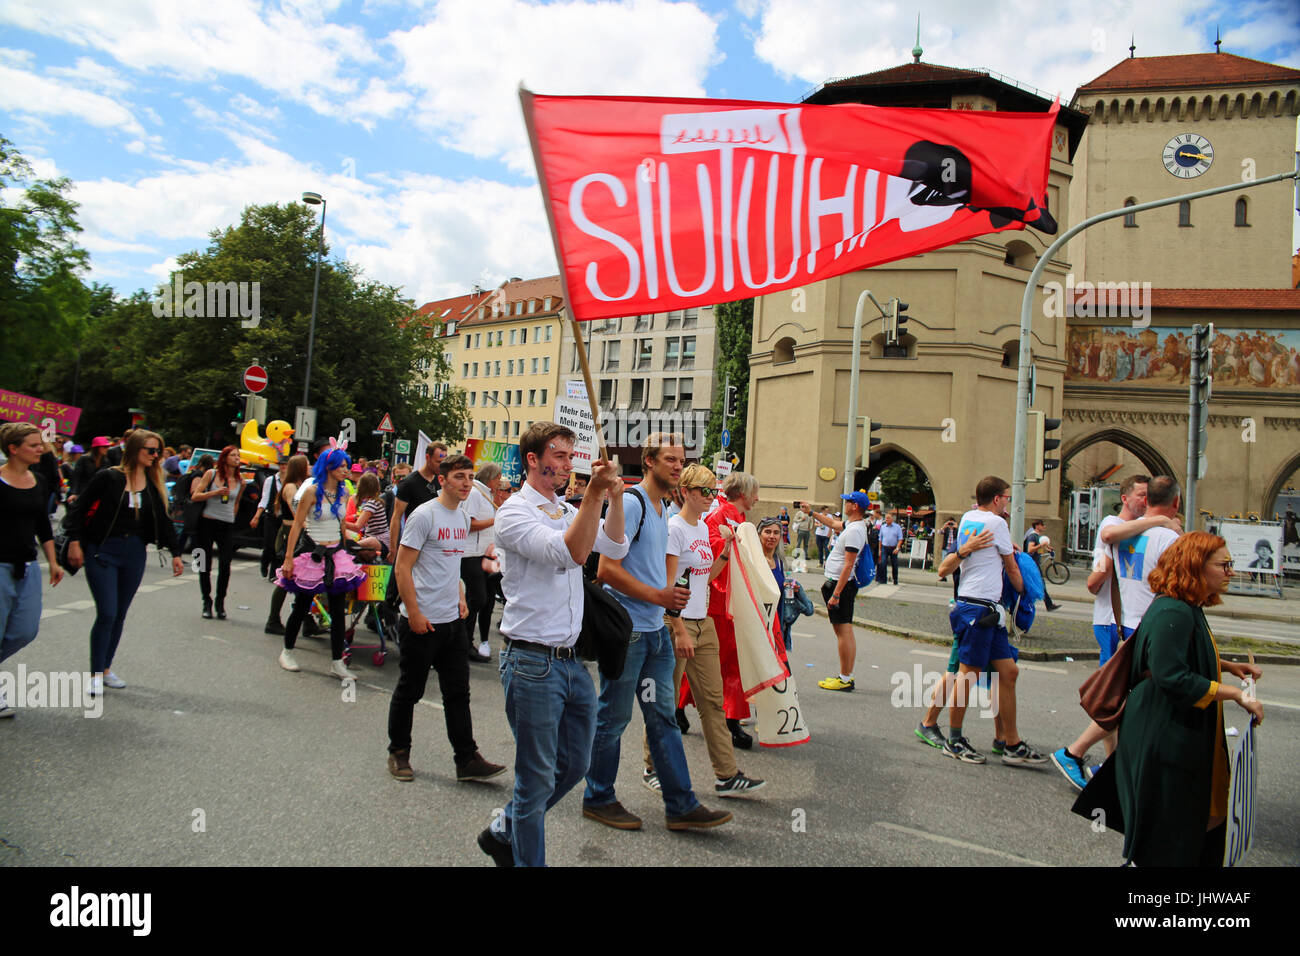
point(1053, 606)
point(5, 709)
point(113, 681)
point(999, 747)
point(340, 670)
point(701, 818)
point(650, 780)
point(501, 853)
point(485, 648)
point(1071, 767)
point(479, 769)
point(931, 735)
point(1022, 753)
point(96, 686)
point(614, 815)
point(737, 786)
point(959, 748)
point(399, 765)
point(477, 657)
point(835, 683)
point(287, 661)
point(273, 627)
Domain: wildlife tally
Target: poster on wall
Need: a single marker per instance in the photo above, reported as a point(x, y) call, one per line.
point(1160, 357)
point(1256, 547)
point(1286, 509)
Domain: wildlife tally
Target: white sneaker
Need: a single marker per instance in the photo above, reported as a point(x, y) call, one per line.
point(485, 649)
point(5, 709)
point(113, 681)
point(97, 686)
point(287, 661)
point(340, 670)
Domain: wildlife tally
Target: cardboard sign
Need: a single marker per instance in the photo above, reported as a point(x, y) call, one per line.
point(1243, 785)
point(754, 598)
point(573, 411)
point(781, 720)
point(24, 408)
point(375, 586)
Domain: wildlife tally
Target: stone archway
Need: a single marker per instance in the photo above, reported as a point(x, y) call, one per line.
point(1155, 462)
point(888, 455)
point(1280, 480)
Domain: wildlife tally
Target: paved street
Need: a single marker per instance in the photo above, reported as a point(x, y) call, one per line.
point(214, 755)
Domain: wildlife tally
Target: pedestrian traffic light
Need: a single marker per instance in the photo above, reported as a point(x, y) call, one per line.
point(868, 426)
point(1037, 462)
point(733, 393)
point(1202, 384)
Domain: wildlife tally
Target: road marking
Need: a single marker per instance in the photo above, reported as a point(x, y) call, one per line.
point(800, 634)
point(882, 591)
point(1025, 665)
point(213, 637)
point(385, 690)
point(77, 605)
point(172, 582)
point(51, 613)
point(147, 589)
point(1278, 703)
point(962, 844)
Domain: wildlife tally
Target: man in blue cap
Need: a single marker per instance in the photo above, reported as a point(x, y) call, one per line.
point(839, 589)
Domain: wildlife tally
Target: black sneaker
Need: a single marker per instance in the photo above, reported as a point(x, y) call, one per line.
point(501, 853)
point(273, 627)
point(683, 724)
point(931, 735)
point(737, 786)
point(959, 748)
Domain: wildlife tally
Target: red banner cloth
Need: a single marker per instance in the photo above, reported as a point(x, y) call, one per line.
point(659, 204)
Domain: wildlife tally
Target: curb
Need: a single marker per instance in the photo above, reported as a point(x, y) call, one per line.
point(926, 637)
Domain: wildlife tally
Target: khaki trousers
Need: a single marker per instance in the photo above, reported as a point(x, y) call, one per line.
point(704, 671)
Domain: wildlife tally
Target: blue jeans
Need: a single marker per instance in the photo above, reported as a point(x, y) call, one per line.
point(648, 673)
point(20, 608)
point(551, 707)
point(113, 571)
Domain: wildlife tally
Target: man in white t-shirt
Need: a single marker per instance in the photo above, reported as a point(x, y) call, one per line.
point(840, 588)
point(1146, 525)
point(430, 632)
point(979, 625)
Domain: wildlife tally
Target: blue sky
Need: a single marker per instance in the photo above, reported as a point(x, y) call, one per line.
point(172, 116)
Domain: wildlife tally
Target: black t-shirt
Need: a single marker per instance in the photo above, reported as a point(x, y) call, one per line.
point(22, 518)
point(415, 490)
point(1031, 537)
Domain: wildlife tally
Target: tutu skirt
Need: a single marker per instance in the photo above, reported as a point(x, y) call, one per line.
point(309, 574)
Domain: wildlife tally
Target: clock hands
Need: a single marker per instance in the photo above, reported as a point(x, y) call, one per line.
point(1182, 152)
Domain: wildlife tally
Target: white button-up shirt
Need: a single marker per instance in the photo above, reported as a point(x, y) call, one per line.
point(541, 581)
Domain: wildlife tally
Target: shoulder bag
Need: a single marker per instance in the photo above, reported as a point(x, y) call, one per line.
point(1105, 692)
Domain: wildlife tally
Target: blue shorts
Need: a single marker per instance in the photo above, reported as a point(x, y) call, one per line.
point(1108, 640)
point(978, 646)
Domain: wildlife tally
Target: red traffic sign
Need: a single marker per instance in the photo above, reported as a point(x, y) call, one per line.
point(386, 424)
point(255, 378)
point(909, 509)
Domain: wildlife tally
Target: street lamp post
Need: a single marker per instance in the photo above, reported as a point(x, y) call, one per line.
point(489, 398)
point(314, 199)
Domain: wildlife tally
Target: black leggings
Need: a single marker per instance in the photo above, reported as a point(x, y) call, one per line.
point(337, 604)
point(222, 534)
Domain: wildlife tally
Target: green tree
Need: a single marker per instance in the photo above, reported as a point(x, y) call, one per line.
point(900, 481)
point(734, 324)
point(42, 298)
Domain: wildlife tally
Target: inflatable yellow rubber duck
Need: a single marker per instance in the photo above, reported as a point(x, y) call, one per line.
point(255, 450)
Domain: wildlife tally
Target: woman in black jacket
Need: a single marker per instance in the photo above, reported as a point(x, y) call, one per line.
point(119, 513)
point(87, 467)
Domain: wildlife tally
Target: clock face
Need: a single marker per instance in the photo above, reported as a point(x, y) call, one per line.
point(1188, 155)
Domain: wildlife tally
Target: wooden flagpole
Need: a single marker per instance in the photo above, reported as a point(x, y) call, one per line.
point(526, 104)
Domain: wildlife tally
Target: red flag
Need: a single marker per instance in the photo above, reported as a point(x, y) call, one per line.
point(660, 204)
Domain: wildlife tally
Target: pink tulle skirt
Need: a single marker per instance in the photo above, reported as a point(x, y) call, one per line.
point(309, 575)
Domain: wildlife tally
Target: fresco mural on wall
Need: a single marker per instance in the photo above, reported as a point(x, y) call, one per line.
point(1160, 357)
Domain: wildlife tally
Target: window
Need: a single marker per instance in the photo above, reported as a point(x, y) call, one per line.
point(1241, 212)
point(546, 304)
point(494, 429)
point(482, 429)
point(1185, 213)
point(645, 353)
point(685, 392)
point(507, 402)
point(532, 307)
point(500, 336)
point(546, 365)
point(474, 367)
point(783, 351)
point(514, 336)
point(607, 392)
point(548, 333)
point(537, 333)
point(510, 366)
point(472, 397)
point(688, 352)
point(638, 394)
point(485, 398)
point(532, 396)
point(690, 318)
point(671, 350)
point(519, 307)
point(451, 327)
point(643, 323)
point(575, 355)
point(611, 356)
point(497, 368)
point(424, 391)
point(674, 319)
point(1130, 219)
point(477, 336)
point(543, 397)
point(465, 373)
point(516, 429)
point(519, 396)
point(496, 396)
point(670, 393)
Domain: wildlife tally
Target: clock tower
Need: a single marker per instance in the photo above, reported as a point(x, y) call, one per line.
point(1164, 125)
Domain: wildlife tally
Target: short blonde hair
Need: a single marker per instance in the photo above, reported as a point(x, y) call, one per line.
point(740, 484)
point(696, 475)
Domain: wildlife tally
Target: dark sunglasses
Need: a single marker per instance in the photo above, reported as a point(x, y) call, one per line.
point(706, 492)
point(152, 451)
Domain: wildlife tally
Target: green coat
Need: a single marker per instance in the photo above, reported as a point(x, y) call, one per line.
point(1164, 760)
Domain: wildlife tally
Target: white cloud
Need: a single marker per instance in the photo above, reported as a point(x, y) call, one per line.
point(88, 72)
point(12, 57)
point(25, 92)
point(251, 107)
point(467, 60)
point(816, 40)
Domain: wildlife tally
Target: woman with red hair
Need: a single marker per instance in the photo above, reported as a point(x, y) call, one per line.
point(1171, 763)
point(220, 489)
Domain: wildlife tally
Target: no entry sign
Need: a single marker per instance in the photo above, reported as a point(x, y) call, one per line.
point(255, 378)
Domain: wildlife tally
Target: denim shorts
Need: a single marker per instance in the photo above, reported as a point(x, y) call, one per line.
point(978, 646)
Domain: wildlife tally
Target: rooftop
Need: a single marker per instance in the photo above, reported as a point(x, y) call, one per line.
point(1187, 71)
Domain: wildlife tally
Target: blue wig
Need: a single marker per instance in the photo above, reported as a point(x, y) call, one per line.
point(329, 459)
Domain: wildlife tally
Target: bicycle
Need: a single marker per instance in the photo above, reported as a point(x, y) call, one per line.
point(1056, 572)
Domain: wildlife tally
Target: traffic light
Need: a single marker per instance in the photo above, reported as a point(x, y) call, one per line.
point(868, 426)
point(1037, 463)
point(733, 393)
point(1202, 384)
point(900, 321)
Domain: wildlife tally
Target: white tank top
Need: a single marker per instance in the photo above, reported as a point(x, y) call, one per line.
point(325, 529)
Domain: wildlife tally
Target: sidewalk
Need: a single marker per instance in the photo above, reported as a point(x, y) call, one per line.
point(1245, 607)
